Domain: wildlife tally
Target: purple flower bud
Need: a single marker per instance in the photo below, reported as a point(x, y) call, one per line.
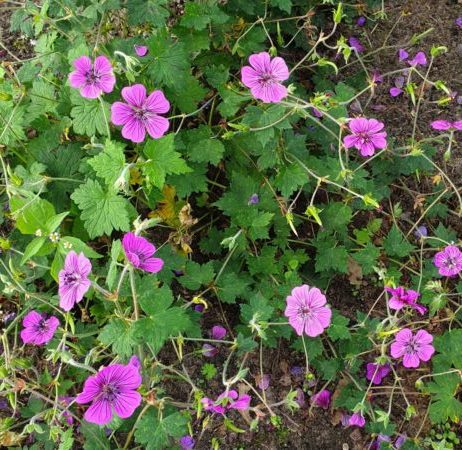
point(361, 21)
point(199, 308)
point(218, 332)
point(300, 398)
point(209, 350)
point(459, 22)
point(187, 443)
point(395, 92)
point(141, 50)
point(400, 440)
point(345, 420)
point(403, 54)
point(297, 371)
point(322, 399)
point(264, 382)
point(316, 112)
point(355, 44)
point(421, 232)
point(134, 361)
point(376, 77)
point(357, 420)
point(399, 82)
point(253, 199)
point(420, 59)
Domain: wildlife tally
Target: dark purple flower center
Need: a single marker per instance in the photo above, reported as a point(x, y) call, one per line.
point(71, 278)
point(304, 312)
point(267, 78)
point(92, 77)
point(42, 326)
point(141, 114)
point(109, 392)
point(451, 262)
point(412, 346)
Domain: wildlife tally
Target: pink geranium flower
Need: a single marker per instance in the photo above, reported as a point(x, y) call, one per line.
point(92, 79)
point(112, 389)
point(306, 310)
point(376, 372)
point(73, 280)
point(444, 125)
point(366, 136)
point(448, 261)
point(141, 113)
point(322, 399)
point(226, 401)
point(139, 251)
point(264, 76)
point(413, 348)
point(403, 54)
point(401, 297)
point(38, 328)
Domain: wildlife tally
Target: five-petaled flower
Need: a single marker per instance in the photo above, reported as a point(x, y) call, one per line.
point(73, 280)
point(413, 348)
point(264, 76)
point(139, 251)
point(306, 310)
point(401, 297)
point(38, 328)
point(377, 372)
point(448, 261)
point(141, 113)
point(226, 401)
point(112, 389)
point(367, 136)
point(92, 78)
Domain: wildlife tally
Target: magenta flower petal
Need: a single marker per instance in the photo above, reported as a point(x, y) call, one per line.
point(134, 130)
point(402, 54)
point(357, 420)
point(242, 403)
point(121, 113)
point(141, 50)
point(395, 91)
point(156, 102)
point(457, 125)
point(263, 77)
point(134, 95)
point(376, 372)
point(441, 125)
point(419, 59)
point(218, 332)
point(156, 126)
point(322, 399)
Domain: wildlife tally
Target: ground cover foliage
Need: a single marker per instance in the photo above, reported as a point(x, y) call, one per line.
point(206, 235)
